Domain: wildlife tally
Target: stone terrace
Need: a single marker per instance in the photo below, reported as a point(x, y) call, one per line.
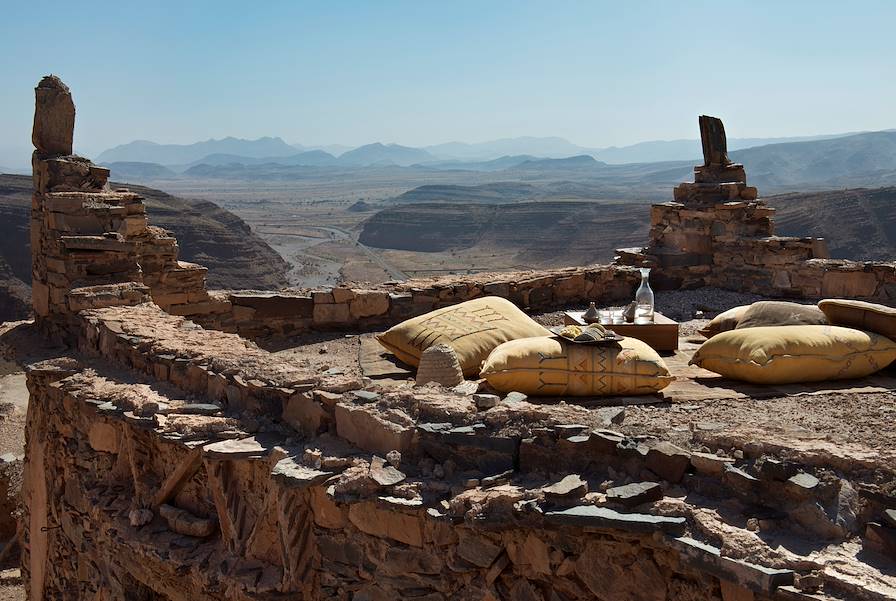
point(169, 460)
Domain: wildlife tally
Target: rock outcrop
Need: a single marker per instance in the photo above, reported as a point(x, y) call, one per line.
point(54, 118)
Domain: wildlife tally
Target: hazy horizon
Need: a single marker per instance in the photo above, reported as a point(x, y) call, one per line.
point(597, 75)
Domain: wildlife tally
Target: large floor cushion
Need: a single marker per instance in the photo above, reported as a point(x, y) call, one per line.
point(547, 366)
point(789, 354)
point(780, 313)
point(724, 321)
point(861, 315)
point(473, 329)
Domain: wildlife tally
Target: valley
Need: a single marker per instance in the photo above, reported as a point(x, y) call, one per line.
point(267, 221)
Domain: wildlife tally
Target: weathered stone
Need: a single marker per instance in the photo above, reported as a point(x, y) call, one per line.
point(605, 442)
point(802, 485)
point(740, 480)
point(776, 469)
point(881, 538)
point(366, 396)
point(531, 555)
point(331, 314)
point(254, 446)
point(889, 517)
point(486, 401)
point(386, 524)
point(634, 494)
point(570, 487)
point(304, 413)
point(607, 578)
point(590, 516)
point(477, 549)
point(612, 415)
point(384, 475)
point(370, 304)
point(708, 464)
point(515, 397)
point(54, 117)
point(667, 461)
point(369, 431)
point(103, 437)
point(290, 474)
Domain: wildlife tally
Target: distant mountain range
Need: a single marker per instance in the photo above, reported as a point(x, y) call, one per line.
point(863, 159)
point(448, 155)
point(144, 151)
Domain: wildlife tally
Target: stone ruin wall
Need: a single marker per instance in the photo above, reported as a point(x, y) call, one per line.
point(276, 491)
point(83, 234)
point(166, 461)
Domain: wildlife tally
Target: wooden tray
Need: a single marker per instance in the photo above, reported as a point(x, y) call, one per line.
point(661, 335)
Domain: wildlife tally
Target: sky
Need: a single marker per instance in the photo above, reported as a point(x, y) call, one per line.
point(424, 72)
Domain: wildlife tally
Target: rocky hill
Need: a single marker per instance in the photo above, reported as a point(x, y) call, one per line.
point(858, 223)
point(207, 234)
point(545, 233)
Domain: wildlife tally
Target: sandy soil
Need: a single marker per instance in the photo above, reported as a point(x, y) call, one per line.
point(333, 352)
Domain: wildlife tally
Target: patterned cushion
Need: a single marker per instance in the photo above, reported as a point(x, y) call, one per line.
point(473, 329)
point(550, 367)
point(788, 354)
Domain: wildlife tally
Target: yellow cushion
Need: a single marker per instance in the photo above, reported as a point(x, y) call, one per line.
point(780, 313)
point(546, 366)
point(859, 314)
point(727, 320)
point(473, 329)
point(787, 354)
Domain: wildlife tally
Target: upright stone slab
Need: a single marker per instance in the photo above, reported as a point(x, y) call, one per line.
point(54, 117)
point(718, 232)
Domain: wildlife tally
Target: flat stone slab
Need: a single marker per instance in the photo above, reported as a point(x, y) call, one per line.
point(571, 486)
point(635, 493)
point(378, 363)
point(383, 474)
point(592, 516)
point(750, 575)
point(197, 409)
point(292, 474)
point(890, 518)
point(244, 448)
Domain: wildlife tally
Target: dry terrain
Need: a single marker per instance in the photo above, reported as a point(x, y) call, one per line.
point(381, 225)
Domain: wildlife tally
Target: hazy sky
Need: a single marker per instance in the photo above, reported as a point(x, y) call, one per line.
point(424, 72)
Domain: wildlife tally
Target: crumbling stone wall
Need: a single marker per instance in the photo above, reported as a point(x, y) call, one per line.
point(84, 235)
point(121, 500)
point(264, 314)
point(718, 233)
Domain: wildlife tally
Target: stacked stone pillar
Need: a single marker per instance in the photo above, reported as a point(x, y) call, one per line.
point(92, 246)
point(717, 232)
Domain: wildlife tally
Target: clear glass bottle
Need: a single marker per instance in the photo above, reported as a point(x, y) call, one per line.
point(644, 298)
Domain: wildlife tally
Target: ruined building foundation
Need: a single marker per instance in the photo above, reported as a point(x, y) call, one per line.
point(169, 457)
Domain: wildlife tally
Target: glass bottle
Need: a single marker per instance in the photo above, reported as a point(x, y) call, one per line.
point(644, 298)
